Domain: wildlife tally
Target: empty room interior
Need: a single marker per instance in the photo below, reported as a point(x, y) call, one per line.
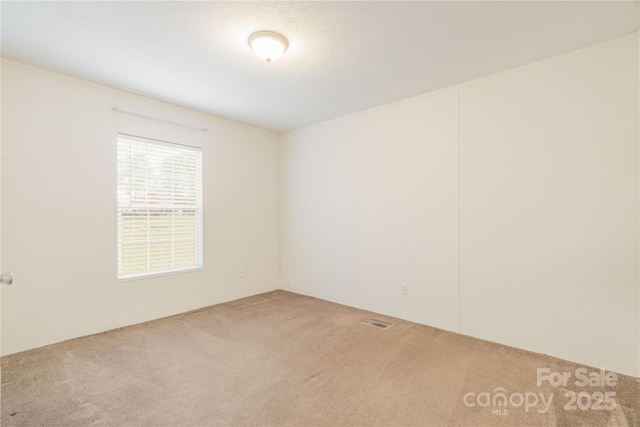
point(320, 213)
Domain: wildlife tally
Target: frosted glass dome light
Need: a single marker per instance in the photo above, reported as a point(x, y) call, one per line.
point(268, 45)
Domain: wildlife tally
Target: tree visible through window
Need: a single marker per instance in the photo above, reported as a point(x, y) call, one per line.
point(159, 207)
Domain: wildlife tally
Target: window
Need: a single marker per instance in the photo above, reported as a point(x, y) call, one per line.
point(159, 207)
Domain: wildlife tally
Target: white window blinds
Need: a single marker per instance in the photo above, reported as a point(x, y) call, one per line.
point(159, 207)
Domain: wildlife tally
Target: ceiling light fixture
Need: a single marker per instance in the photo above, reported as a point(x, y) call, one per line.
point(268, 45)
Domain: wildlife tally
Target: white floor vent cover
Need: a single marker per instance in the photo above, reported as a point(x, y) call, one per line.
point(377, 324)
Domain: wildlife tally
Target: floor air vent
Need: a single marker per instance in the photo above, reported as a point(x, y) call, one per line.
point(377, 324)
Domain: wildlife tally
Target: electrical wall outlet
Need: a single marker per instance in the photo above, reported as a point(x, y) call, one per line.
point(404, 288)
point(242, 273)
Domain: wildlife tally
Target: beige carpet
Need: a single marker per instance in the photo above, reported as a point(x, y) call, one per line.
point(283, 359)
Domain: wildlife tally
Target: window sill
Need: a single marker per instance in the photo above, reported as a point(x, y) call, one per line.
point(160, 274)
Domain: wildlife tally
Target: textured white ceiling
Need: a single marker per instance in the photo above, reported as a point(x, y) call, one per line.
point(343, 56)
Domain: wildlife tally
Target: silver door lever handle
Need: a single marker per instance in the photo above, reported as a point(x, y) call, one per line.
point(6, 279)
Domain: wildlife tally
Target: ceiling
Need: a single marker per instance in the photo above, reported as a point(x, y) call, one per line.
point(343, 57)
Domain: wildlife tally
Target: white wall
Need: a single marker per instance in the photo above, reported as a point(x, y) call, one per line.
point(508, 204)
point(549, 207)
point(406, 209)
point(59, 210)
point(317, 211)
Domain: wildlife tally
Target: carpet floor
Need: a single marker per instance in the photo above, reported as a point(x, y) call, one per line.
point(282, 359)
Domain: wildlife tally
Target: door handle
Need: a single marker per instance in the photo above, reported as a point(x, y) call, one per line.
point(6, 279)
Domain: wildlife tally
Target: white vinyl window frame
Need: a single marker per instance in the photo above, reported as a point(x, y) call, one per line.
point(159, 202)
